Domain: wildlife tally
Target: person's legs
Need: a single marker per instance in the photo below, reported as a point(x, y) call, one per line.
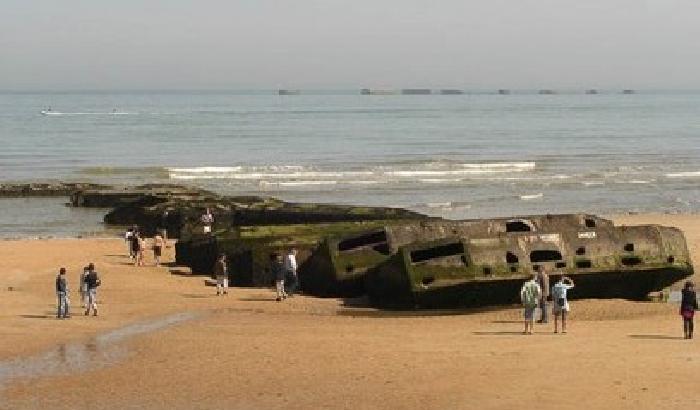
point(225, 285)
point(219, 285)
point(686, 326)
point(564, 312)
point(92, 299)
point(279, 284)
point(543, 306)
point(556, 321)
point(59, 308)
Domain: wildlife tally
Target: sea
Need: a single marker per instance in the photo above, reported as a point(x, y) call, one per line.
point(472, 155)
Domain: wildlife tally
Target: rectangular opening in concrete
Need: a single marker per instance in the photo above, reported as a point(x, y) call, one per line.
point(370, 239)
point(545, 255)
point(450, 249)
point(631, 260)
point(583, 264)
point(518, 226)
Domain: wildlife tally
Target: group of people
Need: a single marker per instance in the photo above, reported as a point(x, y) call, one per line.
point(535, 293)
point(136, 244)
point(89, 282)
point(284, 270)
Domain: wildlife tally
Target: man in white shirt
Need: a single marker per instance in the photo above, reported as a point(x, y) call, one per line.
point(290, 267)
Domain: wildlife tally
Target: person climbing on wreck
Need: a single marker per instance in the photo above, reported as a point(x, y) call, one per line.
point(689, 304)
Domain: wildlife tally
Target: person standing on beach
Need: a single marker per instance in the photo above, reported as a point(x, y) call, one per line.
point(207, 220)
point(561, 302)
point(93, 281)
point(84, 287)
point(221, 274)
point(290, 267)
point(158, 245)
point(543, 281)
point(127, 238)
point(529, 295)
point(63, 310)
point(689, 304)
point(278, 272)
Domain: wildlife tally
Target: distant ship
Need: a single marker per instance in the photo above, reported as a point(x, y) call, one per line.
point(369, 91)
point(592, 91)
point(628, 91)
point(288, 92)
point(546, 92)
point(416, 91)
point(451, 92)
point(503, 91)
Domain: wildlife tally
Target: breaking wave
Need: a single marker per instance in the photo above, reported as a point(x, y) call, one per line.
point(686, 174)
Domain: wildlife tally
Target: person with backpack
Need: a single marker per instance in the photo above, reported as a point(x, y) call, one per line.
point(689, 304)
point(63, 311)
point(561, 303)
point(93, 281)
point(530, 295)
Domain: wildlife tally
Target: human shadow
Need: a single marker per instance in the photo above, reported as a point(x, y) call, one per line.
point(196, 296)
point(501, 333)
point(37, 316)
point(507, 321)
point(656, 337)
point(259, 299)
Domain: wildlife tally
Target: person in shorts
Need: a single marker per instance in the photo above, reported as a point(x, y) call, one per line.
point(560, 306)
point(530, 295)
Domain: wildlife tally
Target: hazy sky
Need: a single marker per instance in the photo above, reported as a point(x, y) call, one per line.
point(349, 43)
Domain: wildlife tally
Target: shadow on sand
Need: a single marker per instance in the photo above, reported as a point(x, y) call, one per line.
point(656, 337)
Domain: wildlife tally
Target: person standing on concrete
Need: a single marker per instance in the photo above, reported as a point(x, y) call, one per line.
point(561, 302)
point(93, 281)
point(543, 281)
point(689, 304)
point(290, 267)
point(63, 311)
point(207, 220)
point(529, 295)
point(278, 272)
point(221, 274)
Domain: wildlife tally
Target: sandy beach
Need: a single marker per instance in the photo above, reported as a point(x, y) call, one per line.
point(163, 340)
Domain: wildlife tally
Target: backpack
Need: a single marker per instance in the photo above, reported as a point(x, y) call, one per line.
point(529, 294)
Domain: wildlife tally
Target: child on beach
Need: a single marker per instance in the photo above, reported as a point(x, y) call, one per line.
point(530, 295)
point(689, 304)
point(63, 310)
point(561, 303)
point(221, 274)
point(158, 245)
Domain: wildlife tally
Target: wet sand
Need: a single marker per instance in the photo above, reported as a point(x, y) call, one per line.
point(163, 341)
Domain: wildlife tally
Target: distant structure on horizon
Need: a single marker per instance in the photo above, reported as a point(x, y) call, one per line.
point(628, 91)
point(546, 92)
point(451, 92)
point(288, 92)
point(416, 91)
point(503, 91)
point(592, 91)
point(369, 91)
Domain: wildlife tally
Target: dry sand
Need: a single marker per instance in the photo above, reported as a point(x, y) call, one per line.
point(248, 351)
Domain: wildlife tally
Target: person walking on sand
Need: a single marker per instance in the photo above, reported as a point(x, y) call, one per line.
point(158, 245)
point(135, 247)
point(127, 238)
point(221, 274)
point(63, 310)
point(543, 281)
point(277, 268)
point(689, 304)
point(290, 268)
point(529, 295)
point(207, 220)
point(84, 287)
point(561, 302)
point(93, 281)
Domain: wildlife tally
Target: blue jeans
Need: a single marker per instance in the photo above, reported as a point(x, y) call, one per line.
point(63, 306)
point(543, 307)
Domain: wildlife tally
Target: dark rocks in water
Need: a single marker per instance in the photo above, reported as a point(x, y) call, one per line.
point(45, 189)
point(112, 197)
point(605, 262)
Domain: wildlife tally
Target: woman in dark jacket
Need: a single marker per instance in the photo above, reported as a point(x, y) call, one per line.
point(689, 304)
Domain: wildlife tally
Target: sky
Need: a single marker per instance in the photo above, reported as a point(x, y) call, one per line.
point(246, 44)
